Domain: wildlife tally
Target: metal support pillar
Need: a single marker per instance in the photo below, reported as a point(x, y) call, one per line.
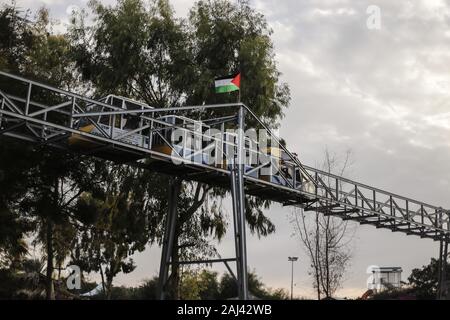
point(169, 235)
point(444, 285)
point(237, 237)
point(2, 107)
point(238, 197)
point(442, 290)
point(439, 275)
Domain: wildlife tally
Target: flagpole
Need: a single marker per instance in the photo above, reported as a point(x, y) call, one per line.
point(239, 91)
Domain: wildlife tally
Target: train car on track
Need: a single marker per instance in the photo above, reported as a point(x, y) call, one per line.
point(116, 126)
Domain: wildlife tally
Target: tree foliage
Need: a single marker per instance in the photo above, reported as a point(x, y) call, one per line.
point(99, 213)
point(49, 180)
point(424, 281)
point(146, 53)
point(201, 285)
point(229, 37)
point(118, 220)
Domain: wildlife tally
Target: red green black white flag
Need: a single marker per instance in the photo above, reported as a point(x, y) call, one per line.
point(228, 83)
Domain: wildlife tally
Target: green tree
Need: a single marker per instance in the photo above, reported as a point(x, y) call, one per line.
point(228, 288)
point(147, 290)
point(150, 55)
point(210, 288)
point(229, 37)
point(16, 40)
point(50, 202)
point(136, 52)
point(49, 181)
point(190, 286)
point(119, 220)
point(13, 182)
point(424, 281)
point(199, 285)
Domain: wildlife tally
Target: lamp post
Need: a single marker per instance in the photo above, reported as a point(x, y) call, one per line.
point(292, 259)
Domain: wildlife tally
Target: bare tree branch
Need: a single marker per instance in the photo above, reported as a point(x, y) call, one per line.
point(326, 239)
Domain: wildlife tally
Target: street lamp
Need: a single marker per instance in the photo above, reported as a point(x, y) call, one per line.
point(292, 259)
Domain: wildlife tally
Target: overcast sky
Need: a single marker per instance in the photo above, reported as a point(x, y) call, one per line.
point(383, 93)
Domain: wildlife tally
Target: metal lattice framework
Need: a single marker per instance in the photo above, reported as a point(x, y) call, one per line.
point(42, 114)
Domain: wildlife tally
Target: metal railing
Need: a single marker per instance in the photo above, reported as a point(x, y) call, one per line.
point(36, 112)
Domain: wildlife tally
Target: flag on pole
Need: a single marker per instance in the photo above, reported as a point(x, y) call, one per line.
point(228, 83)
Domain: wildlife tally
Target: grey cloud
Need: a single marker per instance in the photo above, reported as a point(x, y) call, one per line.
point(382, 93)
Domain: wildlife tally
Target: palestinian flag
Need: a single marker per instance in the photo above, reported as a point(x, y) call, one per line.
point(228, 84)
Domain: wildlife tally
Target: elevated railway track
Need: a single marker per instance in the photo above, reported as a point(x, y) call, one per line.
point(209, 144)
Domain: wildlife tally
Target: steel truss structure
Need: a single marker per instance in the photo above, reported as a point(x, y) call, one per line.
point(42, 114)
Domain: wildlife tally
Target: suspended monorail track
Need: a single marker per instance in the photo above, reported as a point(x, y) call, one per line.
point(126, 131)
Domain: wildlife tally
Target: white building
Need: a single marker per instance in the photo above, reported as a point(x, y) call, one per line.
point(383, 278)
